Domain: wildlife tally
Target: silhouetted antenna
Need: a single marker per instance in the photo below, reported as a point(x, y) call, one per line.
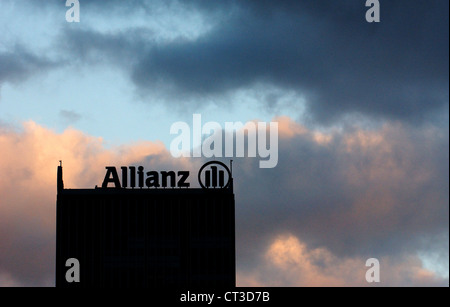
point(231, 167)
point(60, 177)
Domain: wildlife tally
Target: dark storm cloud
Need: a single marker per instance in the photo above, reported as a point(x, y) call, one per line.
point(325, 51)
point(396, 69)
point(19, 64)
point(93, 48)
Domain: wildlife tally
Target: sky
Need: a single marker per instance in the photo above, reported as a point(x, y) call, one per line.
point(362, 108)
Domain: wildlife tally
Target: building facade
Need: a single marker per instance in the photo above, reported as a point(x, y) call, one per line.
point(175, 237)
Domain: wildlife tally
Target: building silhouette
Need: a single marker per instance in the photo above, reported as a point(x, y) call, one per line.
point(162, 237)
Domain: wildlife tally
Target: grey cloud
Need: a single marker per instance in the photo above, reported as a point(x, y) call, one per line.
point(360, 194)
point(93, 47)
point(70, 117)
point(27, 253)
point(325, 51)
point(19, 64)
point(340, 62)
point(369, 198)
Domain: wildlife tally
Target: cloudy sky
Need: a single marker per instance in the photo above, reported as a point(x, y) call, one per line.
point(363, 112)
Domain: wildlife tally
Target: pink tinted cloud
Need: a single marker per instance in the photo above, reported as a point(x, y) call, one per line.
point(287, 261)
point(28, 164)
point(386, 175)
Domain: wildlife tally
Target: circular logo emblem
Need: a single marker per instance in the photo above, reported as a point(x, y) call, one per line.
point(214, 175)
